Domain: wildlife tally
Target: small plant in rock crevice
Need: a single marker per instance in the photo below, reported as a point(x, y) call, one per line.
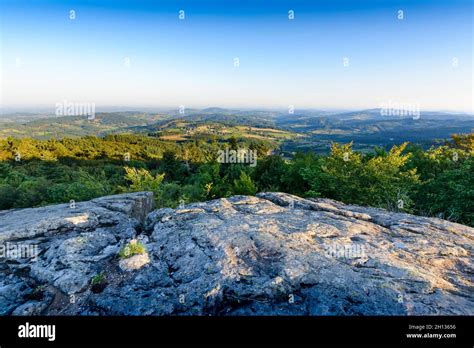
point(98, 283)
point(132, 248)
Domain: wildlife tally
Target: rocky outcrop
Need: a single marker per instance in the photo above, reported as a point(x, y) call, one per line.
point(275, 254)
point(54, 251)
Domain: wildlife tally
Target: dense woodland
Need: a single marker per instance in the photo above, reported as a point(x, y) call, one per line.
point(437, 182)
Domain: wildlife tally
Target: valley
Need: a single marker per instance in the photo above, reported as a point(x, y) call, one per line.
point(303, 131)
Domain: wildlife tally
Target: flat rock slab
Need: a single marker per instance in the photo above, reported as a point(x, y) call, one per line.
point(274, 254)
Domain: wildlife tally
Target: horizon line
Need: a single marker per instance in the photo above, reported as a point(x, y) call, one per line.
point(133, 108)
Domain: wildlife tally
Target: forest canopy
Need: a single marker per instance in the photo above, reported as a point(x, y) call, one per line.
point(436, 182)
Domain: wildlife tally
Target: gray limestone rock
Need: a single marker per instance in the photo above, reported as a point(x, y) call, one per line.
point(274, 254)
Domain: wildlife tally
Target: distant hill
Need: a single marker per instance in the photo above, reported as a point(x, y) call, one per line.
point(77, 126)
point(302, 130)
point(370, 128)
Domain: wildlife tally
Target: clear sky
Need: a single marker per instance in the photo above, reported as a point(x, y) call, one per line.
point(140, 53)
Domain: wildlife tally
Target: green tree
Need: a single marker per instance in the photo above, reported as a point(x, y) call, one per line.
point(380, 181)
point(142, 180)
point(269, 173)
point(244, 185)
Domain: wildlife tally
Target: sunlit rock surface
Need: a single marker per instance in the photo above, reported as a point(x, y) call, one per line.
point(275, 254)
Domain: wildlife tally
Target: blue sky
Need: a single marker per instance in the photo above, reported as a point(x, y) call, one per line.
point(139, 53)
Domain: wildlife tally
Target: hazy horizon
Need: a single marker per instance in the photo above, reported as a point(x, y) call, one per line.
point(345, 55)
point(130, 108)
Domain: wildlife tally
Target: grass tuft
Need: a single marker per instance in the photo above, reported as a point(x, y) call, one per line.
point(132, 248)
